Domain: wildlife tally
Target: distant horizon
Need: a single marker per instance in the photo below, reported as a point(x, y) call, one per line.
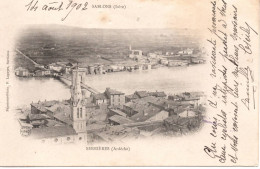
point(81, 27)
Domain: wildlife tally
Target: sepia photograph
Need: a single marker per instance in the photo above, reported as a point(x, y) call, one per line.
point(129, 83)
point(93, 85)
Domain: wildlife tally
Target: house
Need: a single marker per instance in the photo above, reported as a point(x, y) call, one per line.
point(131, 56)
point(181, 52)
point(42, 72)
point(33, 117)
point(175, 97)
point(130, 97)
point(171, 124)
point(115, 68)
point(100, 98)
point(108, 68)
point(116, 133)
point(159, 116)
point(152, 55)
point(189, 51)
point(158, 94)
point(58, 110)
point(52, 123)
point(55, 67)
point(131, 67)
point(168, 105)
point(141, 94)
point(118, 120)
point(140, 59)
point(90, 106)
point(149, 66)
point(201, 95)
point(37, 120)
point(97, 115)
point(40, 107)
point(116, 98)
point(151, 113)
point(132, 108)
point(39, 73)
point(164, 61)
point(22, 72)
point(135, 53)
point(188, 98)
point(91, 69)
point(68, 68)
point(139, 67)
point(100, 69)
point(188, 113)
point(138, 105)
point(113, 112)
point(198, 60)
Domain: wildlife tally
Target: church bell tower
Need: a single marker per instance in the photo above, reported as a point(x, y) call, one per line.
point(78, 108)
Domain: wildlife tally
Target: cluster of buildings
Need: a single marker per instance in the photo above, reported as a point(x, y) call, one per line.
point(61, 68)
point(44, 71)
point(141, 62)
point(171, 59)
point(111, 115)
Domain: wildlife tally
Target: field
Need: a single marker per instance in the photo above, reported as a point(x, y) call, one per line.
point(51, 43)
point(21, 61)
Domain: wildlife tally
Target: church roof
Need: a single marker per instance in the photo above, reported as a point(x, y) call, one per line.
point(51, 132)
point(63, 117)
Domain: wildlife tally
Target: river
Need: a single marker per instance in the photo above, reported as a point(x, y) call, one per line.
point(170, 80)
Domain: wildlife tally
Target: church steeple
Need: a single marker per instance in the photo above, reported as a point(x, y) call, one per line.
point(76, 93)
point(78, 109)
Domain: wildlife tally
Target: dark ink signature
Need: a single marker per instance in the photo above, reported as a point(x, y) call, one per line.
point(249, 75)
point(246, 46)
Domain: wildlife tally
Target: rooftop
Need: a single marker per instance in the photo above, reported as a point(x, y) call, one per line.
point(132, 96)
point(158, 94)
point(100, 96)
point(60, 108)
point(120, 119)
point(119, 112)
point(117, 133)
point(63, 117)
point(50, 132)
point(146, 114)
point(137, 106)
point(142, 94)
point(38, 116)
point(113, 92)
point(95, 126)
point(52, 123)
point(45, 103)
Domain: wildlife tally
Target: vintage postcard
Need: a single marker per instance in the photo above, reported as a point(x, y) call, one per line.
point(129, 83)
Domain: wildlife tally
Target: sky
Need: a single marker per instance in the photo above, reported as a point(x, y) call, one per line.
point(138, 14)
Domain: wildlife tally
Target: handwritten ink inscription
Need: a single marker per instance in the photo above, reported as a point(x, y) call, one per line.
point(67, 6)
point(57, 6)
point(230, 43)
